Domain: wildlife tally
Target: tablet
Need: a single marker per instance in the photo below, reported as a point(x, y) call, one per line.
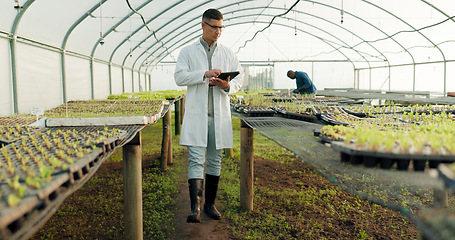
point(225, 75)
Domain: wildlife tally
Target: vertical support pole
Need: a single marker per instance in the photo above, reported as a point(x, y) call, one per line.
point(64, 90)
point(92, 80)
point(246, 167)
point(132, 188)
point(390, 79)
point(231, 152)
point(165, 142)
point(182, 109)
point(110, 78)
point(414, 79)
point(441, 197)
point(170, 159)
point(123, 79)
point(177, 117)
point(132, 80)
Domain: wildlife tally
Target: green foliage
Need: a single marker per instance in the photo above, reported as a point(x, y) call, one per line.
point(154, 95)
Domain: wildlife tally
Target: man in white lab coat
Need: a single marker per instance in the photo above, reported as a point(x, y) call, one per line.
point(207, 126)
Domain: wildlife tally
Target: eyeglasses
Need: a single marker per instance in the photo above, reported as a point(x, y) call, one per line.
point(215, 27)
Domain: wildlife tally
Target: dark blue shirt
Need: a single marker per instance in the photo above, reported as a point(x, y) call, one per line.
point(303, 81)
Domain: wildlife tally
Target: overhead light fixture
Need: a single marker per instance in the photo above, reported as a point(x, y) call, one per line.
point(101, 24)
point(18, 6)
point(101, 38)
point(342, 10)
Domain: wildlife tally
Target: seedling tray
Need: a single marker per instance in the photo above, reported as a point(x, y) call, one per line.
point(283, 99)
point(350, 153)
point(104, 121)
point(326, 139)
point(105, 112)
point(4, 140)
point(11, 217)
point(328, 119)
point(357, 114)
point(318, 110)
point(298, 116)
point(23, 120)
point(258, 112)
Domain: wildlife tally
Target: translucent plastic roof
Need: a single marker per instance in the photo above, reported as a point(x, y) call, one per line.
point(141, 34)
point(373, 33)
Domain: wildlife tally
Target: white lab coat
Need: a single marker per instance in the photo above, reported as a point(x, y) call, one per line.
point(190, 71)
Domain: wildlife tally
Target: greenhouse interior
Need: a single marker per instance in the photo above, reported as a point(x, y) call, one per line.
point(337, 124)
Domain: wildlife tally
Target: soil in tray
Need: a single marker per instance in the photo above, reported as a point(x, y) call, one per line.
point(300, 116)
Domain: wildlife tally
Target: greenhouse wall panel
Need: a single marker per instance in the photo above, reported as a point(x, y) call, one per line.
point(116, 78)
point(401, 78)
point(128, 80)
point(77, 78)
point(39, 82)
point(6, 97)
point(144, 82)
point(333, 75)
point(379, 78)
point(451, 77)
point(163, 78)
point(364, 79)
point(430, 77)
point(136, 81)
point(281, 80)
point(101, 80)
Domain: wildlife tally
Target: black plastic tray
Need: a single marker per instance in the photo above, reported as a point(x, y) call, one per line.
point(303, 117)
point(349, 153)
point(258, 112)
point(328, 119)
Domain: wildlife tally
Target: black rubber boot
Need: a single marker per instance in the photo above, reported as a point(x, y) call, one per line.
point(195, 187)
point(211, 187)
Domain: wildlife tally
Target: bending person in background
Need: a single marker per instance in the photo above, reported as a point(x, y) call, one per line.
point(303, 82)
point(207, 126)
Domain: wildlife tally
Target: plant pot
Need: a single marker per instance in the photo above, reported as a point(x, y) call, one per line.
point(356, 159)
point(403, 164)
point(344, 157)
point(386, 163)
point(370, 161)
point(419, 165)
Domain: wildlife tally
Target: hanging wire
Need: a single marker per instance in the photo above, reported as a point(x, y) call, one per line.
point(129, 38)
point(150, 30)
point(295, 23)
point(270, 23)
point(409, 31)
point(390, 36)
point(101, 23)
point(342, 10)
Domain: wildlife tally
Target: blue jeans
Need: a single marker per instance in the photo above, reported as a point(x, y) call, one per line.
point(197, 156)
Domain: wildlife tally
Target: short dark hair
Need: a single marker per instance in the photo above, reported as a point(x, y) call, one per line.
point(290, 72)
point(212, 14)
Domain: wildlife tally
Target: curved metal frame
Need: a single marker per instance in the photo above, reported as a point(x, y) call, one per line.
point(179, 41)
